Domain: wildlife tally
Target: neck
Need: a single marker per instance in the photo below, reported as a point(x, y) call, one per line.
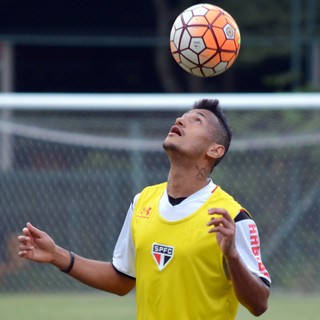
point(183, 182)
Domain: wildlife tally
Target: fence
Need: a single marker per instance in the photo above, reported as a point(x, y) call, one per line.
point(71, 164)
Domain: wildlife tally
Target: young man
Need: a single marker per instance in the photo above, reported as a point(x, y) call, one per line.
point(189, 248)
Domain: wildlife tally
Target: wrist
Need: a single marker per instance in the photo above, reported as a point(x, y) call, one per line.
point(71, 263)
point(232, 255)
point(62, 259)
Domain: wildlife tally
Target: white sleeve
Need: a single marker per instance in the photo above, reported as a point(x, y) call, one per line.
point(248, 246)
point(124, 252)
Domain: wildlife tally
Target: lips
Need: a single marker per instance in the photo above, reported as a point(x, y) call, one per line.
point(176, 130)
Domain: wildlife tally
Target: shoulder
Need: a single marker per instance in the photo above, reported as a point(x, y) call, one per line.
point(153, 190)
point(221, 198)
point(147, 191)
point(242, 215)
point(155, 187)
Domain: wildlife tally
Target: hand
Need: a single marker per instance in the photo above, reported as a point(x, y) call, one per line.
point(224, 227)
point(36, 245)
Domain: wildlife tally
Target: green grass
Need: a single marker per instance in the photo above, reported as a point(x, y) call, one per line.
point(287, 306)
point(106, 306)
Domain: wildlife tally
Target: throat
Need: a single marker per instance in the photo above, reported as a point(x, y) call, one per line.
point(175, 201)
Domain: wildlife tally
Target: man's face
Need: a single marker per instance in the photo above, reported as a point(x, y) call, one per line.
point(193, 133)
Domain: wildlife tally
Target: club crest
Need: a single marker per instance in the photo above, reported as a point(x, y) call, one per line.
point(162, 254)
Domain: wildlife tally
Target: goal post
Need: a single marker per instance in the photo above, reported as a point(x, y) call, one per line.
point(156, 102)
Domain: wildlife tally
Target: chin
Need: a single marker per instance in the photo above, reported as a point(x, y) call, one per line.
point(169, 146)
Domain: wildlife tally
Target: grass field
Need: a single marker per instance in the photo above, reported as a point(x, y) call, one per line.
point(106, 306)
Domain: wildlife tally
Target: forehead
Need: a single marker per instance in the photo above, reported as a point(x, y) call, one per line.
point(204, 113)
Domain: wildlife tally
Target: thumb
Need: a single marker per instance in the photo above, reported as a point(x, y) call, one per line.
point(33, 231)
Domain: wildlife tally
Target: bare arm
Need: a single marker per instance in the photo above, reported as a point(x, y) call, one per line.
point(36, 245)
point(250, 290)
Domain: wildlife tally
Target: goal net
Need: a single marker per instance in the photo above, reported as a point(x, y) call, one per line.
point(71, 165)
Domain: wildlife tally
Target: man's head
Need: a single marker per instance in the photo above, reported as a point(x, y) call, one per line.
point(200, 136)
point(223, 133)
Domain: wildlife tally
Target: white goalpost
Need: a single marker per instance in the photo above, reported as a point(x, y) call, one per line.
point(156, 102)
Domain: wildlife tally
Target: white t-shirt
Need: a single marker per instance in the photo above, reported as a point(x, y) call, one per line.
point(247, 237)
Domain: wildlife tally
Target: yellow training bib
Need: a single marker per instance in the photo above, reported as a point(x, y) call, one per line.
point(179, 265)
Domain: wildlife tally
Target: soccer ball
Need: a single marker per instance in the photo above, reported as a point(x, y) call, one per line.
point(205, 40)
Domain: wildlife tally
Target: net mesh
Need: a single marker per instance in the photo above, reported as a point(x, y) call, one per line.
point(74, 174)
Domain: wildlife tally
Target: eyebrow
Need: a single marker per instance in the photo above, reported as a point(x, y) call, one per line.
point(197, 112)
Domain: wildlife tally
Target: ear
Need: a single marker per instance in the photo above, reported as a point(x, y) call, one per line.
point(216, 151)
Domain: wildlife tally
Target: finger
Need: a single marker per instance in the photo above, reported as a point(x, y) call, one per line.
point(34, 231)
point(24, 254)
point(23, 247)
point(221, 225)
point(220, 222)
point(221, 229)
point(220, 211)
point(23, 239)
point(26, 232)
point(215, 221)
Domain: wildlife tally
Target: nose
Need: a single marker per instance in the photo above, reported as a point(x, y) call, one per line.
point(180, 121)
